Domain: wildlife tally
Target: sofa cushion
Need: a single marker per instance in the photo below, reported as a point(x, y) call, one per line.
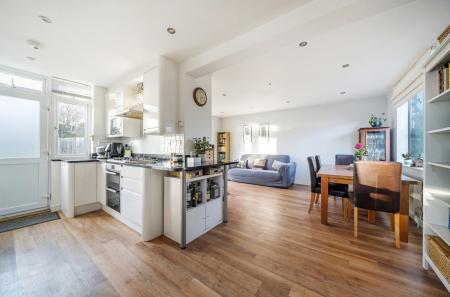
point(277, 164)
point(259, 163)
point(242, 164)
point(259, 176)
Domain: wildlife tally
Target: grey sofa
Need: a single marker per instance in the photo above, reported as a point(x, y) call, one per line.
point(281, 178)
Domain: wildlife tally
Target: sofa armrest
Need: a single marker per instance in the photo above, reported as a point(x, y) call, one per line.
point(287, 173)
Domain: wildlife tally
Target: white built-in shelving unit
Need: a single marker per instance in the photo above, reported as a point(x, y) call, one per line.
point(437, 157)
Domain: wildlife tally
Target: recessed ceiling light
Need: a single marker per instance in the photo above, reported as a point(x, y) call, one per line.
point(251, 107)
point(224, 95)
point(270, 84)
point(45, 19)
point(287, 101)
point(171, 30)
point(221, 112)
point(30, 58)
point(343, 93)
point(34, 44)
point(345, 65)
point(303, 44)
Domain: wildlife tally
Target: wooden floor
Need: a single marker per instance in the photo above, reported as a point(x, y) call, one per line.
point(270, 247)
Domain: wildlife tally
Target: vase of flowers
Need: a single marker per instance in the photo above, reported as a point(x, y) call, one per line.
point(375, 121)
point(360, 151)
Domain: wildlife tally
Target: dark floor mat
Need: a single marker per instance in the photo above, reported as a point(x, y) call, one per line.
point(27, 221)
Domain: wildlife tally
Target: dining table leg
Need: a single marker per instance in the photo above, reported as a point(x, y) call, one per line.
point(324, 200)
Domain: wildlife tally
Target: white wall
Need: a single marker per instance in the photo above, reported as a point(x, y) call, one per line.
point(323, 130)
point(197, 120)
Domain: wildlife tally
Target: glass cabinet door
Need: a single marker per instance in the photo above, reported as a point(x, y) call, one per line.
point(376, 145)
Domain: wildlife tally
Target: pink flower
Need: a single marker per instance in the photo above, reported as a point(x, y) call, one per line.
point(359, 146)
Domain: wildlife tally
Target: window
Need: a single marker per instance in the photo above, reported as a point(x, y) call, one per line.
point(19, 128)
point(72, 127)
point(410, 127)
point(415, 126)
point(15, 81)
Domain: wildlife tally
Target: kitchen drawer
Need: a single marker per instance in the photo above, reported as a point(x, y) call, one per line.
point(131, 206)
point(131, 172)
point(132, 185)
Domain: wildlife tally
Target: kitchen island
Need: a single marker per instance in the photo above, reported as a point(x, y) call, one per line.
point(134, 191)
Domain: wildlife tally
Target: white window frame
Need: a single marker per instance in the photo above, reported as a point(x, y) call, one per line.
point(28, 93)
point(76, 101)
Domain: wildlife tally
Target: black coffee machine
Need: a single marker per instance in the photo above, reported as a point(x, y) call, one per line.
point(114, 150)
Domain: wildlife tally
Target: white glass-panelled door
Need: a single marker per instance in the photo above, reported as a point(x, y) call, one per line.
point(23, 151)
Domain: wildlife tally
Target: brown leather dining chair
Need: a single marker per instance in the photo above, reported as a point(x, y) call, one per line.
point(377, 186)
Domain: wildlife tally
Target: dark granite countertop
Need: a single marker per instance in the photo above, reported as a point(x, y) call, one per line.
point(167, 166)
point(163, 165)
point(78, 160)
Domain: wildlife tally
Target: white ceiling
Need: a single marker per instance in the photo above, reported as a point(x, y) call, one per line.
point(99, 41)
point(379, 49)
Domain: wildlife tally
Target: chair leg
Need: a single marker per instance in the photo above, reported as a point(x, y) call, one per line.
point(355, 222)
point(371, 216)
point(317, 198)
point(397, 229)
point(349, 210)
point(392, 223)
point(344, 208)
point(311, 202)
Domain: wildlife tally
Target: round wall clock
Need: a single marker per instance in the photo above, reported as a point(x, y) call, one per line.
point(200, 97)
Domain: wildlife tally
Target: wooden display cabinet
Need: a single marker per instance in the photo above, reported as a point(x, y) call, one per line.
point(378, 141)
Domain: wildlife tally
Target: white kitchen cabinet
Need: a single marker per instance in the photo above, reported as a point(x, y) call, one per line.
point(161, 98)
point(85, 180)
point(195, 222)
point(120, 98)
point(199, 219)
point(214, 213)
point(131, 207)
point(78, 188)
point(141, 201)
point(101, 182)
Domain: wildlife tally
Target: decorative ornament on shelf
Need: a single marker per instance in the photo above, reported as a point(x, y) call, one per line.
point(375, 121)
point(407, 159)
point(360, 152)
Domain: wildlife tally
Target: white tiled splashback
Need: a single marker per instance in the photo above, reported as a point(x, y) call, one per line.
point(149, 144)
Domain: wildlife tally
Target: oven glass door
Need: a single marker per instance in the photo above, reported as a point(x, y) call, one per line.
point(113, 199)
point(113, 180)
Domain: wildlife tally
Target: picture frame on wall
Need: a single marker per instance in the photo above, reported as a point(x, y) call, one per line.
point(264, 131)
point(247, 133)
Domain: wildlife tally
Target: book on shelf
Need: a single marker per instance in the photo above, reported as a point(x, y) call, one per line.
point(444, 78)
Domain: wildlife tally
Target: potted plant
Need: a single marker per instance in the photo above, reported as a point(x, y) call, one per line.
point(201, 145)
point(360, 151)
point(407, 159)
point(375, 121)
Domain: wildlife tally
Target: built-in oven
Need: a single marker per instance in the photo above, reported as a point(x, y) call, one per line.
point(113, 186)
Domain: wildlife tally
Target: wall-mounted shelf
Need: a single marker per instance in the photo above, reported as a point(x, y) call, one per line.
point(442, 231)
point(444, 96)
point(440, 164)
point(442, 130)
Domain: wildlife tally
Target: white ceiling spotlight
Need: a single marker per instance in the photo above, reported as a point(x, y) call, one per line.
point(34, 44)
point(171, 30)
point(345, 65)
point(303, 44)
point(288, 101)
point(343, 93)
point(45, 19)
point(30, 58)
point(224, 94)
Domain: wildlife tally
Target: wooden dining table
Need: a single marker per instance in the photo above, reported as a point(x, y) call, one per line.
point(343, 174)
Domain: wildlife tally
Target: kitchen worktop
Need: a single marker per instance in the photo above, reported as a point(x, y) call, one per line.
point(160, 165)
point(168, 166)
point(78, 160)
